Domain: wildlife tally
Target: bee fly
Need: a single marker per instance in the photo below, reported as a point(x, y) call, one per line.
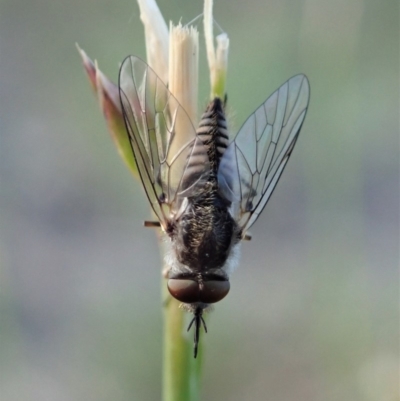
point(206, 190)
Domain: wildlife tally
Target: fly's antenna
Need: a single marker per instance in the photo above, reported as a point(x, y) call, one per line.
point(198, 321)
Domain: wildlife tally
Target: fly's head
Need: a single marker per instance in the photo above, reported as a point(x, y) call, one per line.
point(195, 288)
point(197, 291)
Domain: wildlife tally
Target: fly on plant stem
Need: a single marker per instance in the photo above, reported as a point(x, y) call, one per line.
point(207, 192)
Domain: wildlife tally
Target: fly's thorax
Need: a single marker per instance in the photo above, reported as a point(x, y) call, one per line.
point(205, 233)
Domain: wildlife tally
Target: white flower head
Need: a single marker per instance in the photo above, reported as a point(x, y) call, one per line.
point(174, 55)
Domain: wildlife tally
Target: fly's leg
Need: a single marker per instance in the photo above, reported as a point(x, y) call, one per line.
point(151, 224)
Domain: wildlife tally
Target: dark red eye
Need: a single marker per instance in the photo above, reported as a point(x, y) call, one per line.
point(189, 291)
point(186, 291)
point(213, 291)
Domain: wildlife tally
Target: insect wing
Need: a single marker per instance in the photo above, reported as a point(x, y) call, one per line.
point(152, 117)
point(253, 163)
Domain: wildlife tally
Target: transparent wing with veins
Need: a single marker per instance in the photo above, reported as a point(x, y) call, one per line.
point(152, 118)
point(254, 161)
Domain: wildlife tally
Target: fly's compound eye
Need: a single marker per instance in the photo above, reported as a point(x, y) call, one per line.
point(190, 291)
point(186, 291)
point(213, 291)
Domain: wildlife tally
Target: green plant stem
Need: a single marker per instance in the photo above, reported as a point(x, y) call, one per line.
point(181, 372)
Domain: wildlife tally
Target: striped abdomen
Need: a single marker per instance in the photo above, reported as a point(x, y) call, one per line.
point(214, 137)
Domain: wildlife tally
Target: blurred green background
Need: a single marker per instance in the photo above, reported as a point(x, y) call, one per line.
point(313, 310)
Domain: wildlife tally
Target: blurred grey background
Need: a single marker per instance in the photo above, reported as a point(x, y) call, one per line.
point(313, 310)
